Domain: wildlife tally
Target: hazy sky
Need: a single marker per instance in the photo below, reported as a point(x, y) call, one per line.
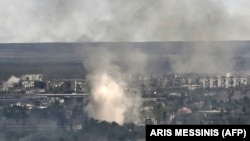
point(123, 20)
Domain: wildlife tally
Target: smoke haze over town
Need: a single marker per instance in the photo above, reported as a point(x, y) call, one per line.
point(109, 20)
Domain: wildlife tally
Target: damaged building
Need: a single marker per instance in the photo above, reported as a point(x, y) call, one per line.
point(32, 83)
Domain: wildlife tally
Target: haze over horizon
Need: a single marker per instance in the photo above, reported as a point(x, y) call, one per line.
point(31, 21)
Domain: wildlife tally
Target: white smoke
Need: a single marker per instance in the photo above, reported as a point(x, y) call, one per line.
point(110, 100)
point(10, 82)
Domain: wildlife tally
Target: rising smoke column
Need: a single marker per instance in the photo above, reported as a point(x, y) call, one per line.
point(10, 82)
point(109, 99)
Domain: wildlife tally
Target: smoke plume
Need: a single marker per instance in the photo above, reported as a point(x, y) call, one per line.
point(205, 57)
point(132, 21)
point(110, 99)
point(119, 20)
point(10, 82)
